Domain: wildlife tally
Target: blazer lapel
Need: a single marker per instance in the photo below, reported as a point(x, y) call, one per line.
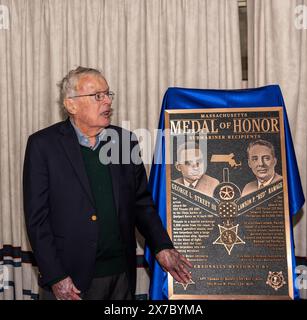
point(71, 148)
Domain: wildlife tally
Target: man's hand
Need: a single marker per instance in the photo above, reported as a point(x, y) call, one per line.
point(65, 290)
point(176, 264)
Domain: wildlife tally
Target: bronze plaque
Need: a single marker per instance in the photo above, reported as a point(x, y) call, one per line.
point(227, 202)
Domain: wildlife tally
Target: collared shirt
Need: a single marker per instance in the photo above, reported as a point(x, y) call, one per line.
point(188, 184)
point(264, 184)
point(84, 140)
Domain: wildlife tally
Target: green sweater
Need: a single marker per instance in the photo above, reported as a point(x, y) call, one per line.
point(110, 256)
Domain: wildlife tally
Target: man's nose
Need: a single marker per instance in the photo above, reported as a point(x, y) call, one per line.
point(260, 162)
point(107, 99)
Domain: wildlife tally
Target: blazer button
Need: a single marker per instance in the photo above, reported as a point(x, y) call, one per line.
point(94, 217)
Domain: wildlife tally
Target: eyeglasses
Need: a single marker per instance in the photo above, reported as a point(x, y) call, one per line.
point(99, 96)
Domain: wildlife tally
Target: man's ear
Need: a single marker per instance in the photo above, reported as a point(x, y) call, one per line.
point(177, 166)
point(70, 106)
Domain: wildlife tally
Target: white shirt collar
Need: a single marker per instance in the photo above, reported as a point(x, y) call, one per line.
point(264, 184)
point(83, 140)
point(187, 184)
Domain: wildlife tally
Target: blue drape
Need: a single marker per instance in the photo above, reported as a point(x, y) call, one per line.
point(181, 98)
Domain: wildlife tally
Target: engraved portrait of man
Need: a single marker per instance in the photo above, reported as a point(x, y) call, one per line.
point(191, 164)
point(262, 161)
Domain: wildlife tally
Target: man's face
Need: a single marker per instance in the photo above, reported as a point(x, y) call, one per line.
point(89, 113)
point(191, 164)
point(262, 162)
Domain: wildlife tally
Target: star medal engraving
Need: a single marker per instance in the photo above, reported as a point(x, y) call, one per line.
point(185, 285)
point(227, 192)
point(228, 237)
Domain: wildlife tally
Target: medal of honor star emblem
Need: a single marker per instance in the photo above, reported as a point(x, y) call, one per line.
point(228, 237)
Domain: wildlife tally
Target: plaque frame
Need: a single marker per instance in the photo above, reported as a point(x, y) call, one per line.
point(287, 224)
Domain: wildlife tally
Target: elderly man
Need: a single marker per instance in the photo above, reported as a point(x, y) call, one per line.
point(190, 163)
point(81, 213)
point(262, 161)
